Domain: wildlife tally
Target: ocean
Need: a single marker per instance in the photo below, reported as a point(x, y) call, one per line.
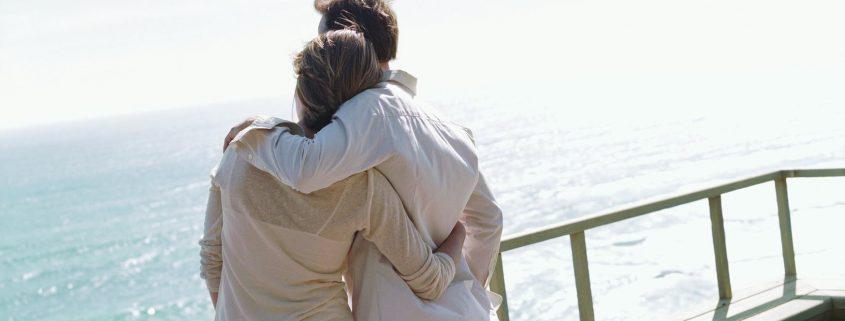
point(101, 217)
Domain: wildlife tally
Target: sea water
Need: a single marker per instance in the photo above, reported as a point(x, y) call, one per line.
point(100, 218)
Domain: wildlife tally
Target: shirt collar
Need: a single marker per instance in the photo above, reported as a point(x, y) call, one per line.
point(401, 77)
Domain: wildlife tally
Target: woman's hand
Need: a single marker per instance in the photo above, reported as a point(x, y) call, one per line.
point(453, 245)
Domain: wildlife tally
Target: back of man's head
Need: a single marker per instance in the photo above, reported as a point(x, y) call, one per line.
point(374, 18)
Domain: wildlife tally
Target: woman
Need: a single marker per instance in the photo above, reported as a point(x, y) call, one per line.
point(271, 253)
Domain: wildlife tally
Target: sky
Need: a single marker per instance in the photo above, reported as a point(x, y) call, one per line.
point(67, 60)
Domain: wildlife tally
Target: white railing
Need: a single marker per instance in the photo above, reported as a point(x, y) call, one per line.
point(576, 228)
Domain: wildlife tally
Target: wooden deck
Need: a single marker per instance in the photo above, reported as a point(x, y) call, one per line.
point(793, 300)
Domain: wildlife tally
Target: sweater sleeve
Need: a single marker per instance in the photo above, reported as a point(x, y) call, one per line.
point(391, 230)
point(211, 253)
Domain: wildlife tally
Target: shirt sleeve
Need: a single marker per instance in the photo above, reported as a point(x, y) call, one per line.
point(483, 220)
point(354, 141)
point(211, 253)
point(391, 230)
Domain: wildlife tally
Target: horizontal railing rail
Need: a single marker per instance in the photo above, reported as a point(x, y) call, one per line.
point(575, 230)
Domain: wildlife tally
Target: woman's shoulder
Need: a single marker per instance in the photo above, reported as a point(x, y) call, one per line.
point(381, 187)
point(367, 186)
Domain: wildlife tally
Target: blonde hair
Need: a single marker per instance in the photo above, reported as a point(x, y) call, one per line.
point(332, 68)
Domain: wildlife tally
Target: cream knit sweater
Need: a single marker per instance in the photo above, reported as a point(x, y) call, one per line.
point(273, 253)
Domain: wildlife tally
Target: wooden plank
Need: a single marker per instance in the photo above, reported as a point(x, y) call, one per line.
point(720, 251)
point(836, 296)
point(582, 276)
point(497, 285)
point(616, 215)
point(738, 295)
point(825, 172)
point(795, 310)
point(785, 220)
point(756, 303)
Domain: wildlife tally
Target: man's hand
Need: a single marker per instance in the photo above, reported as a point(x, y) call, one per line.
point(213, 299)
point(453, 245)
point(237, 129)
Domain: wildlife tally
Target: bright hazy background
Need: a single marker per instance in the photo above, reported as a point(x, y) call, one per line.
point(66, 60)
point(577, 107)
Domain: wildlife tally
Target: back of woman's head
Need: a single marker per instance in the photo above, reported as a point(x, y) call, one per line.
point(374, 18)
point(331, 69)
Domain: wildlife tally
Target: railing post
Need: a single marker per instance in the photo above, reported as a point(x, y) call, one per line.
point(497, 285)
point(785, 227)
point(720, 247)
point(582, 276)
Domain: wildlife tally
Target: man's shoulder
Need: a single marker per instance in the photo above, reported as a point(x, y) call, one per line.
point(383, 98)
point(373, 94)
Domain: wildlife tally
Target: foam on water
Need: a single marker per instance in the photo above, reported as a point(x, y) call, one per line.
point(101, 218)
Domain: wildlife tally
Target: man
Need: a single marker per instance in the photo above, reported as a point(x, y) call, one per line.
point(430, 161)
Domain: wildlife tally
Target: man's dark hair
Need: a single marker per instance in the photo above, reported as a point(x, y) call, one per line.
point(373, 18)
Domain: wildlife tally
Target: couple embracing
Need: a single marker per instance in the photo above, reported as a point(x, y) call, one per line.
point(370, 207)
